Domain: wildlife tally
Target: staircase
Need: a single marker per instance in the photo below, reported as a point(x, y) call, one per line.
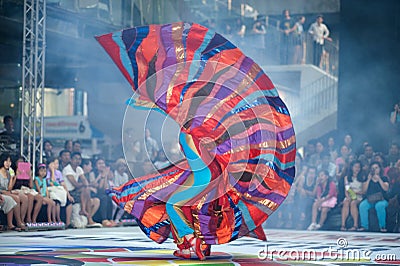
point(311, 96)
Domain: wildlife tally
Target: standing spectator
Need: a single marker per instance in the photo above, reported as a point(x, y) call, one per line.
point(78, 188)
point(374, 189)
point(41, 187)
point(239, 31)
point(354, 193)
point(6, 187)
point(151, 145)
point(326, 199)
point(65, 159)
point(259, 32)
point(395, 121)
point(286, 27)
point(320, 33)
point(299, 55)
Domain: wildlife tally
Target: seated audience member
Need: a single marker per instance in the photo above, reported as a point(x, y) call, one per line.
point(41, 188)
point(120, 178)
point(103, 181)
point(120, 175)
point(68, 145)
point(367, 157)
point(374, 188)
point(327, 165)
point(6, 174)
point(78, 188)
point(393, 209)
point(340, 179)
point(340, 162)
point(57, 189)
point(393, 173)
point(354, 193)
point(90, 176)
point(24, 186)
point(332, 149)
point(316, 158)
point(64, 159)
point(12, 210)
point(9, 132)
point(326, 198)
point(393, 155)
point(309, 151)
point(348, 141)
point(380, 158)
point(305, 194)
point(47, 151)
point(76, 146)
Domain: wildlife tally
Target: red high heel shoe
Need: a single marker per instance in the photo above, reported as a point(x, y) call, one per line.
point(195, 246)
point(181, 250)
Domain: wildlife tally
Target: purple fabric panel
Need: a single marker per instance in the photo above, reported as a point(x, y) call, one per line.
point(257, 137)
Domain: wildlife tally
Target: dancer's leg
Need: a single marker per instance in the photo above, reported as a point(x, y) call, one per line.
point(194, 185)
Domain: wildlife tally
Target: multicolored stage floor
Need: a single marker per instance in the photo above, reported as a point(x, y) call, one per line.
point(129, 246)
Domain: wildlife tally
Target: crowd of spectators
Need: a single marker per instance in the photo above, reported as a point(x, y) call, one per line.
point(360, 184)
point(70, 188)
point(62, 184)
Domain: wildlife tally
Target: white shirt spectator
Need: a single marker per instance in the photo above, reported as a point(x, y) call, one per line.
point(120, 179)
point(319, 32)
point(69, 171)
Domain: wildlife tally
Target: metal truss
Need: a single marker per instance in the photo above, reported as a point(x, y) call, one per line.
point(33, 78)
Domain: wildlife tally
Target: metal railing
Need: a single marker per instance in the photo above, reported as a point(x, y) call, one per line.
point(315, 102)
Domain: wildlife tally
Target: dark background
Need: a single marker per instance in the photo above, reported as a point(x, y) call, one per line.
point(369, 69)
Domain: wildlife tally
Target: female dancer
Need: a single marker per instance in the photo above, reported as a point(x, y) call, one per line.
point(236, 134)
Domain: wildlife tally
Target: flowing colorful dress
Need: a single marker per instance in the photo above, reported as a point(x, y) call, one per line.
point(236, 134)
